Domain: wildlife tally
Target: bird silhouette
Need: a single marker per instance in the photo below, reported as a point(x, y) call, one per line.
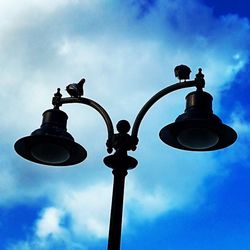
point(76, 89)
point(182, 72)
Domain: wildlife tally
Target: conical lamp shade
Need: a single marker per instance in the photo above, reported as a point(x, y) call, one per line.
point(198, 129)
point(51, 144)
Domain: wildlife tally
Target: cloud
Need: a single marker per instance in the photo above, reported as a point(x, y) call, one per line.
point(126, 57)
point(45, 244)
point(49, 223)
point(240, 123)
point(49, 233)
point(87, 209)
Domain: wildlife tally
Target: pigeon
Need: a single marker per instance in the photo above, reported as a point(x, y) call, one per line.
point(182, 72)
point(76, 89)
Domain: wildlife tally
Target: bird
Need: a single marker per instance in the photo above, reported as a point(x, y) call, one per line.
point(76, 89)
point(182, 72)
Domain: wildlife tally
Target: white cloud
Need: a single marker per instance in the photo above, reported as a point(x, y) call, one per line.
point(125, 60)
point(42, 244)
point(87, 209)
point(239, 122)
point(50, 223)
point(240, 151)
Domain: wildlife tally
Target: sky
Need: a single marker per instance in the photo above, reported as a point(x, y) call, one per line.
point(126, 51)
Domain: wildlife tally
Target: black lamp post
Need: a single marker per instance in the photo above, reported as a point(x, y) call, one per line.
point(197, 129)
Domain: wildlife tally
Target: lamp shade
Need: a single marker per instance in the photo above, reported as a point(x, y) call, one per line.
point(198, 129)
point(51, 144)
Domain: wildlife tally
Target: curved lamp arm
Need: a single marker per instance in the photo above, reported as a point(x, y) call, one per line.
point(199, 82)
point(58, 101)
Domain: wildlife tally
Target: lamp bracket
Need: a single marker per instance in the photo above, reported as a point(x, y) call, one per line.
point(198, 82)
point(58, 101)
point(122, 141)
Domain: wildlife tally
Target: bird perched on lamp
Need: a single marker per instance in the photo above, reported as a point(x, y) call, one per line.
point(76, 89)
point(182, 72)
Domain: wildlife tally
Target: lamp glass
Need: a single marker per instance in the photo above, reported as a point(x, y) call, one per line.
point(197, 138)
point(50, 153)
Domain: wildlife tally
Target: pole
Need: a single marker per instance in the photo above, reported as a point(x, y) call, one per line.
point(115, 225)
point(120, 162)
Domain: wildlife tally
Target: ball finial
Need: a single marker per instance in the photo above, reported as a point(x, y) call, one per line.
point(123, 126)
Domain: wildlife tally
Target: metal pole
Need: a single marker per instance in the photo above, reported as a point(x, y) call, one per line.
point(115, 225)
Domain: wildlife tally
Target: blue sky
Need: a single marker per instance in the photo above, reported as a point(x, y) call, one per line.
point(127, 51)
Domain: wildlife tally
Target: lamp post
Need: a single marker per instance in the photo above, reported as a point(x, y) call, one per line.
point(197, 129)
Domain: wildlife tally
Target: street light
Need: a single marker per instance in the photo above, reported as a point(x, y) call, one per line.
point(197, 129)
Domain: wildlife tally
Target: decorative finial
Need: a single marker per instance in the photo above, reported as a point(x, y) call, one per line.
point(200, 79)
point(123, 126)
point(200, 75)
point(58, 94)
point(56, 101)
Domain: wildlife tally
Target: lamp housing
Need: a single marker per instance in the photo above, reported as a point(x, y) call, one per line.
point(198, 129)
point(51, 144)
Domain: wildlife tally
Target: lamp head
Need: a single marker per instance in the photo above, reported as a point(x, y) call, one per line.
point(51, 144)
point(198, 129)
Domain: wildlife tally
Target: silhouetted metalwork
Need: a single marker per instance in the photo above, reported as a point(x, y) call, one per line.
point(197, 129)
point(51, 144)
